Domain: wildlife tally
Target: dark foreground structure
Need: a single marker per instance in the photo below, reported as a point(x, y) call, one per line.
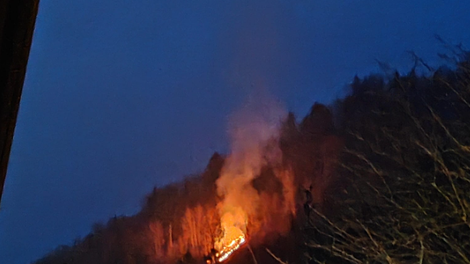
point(17, 19)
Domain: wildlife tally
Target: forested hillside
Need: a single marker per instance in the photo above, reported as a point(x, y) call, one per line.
point(380, 176)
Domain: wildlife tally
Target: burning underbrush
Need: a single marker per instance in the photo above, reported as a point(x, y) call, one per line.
point(233, 228)
point(232, 239)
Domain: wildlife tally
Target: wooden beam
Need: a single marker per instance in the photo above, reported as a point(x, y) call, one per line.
point(17, 19)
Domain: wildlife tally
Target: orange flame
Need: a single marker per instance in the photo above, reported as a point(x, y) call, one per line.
point(230, 248)
point(233, 225)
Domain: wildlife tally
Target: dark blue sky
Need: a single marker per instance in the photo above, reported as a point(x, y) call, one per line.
point(124, 95)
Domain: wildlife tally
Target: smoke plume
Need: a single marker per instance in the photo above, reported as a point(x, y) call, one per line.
point(254, 132)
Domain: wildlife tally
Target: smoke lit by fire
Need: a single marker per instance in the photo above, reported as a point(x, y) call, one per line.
point(254, 132)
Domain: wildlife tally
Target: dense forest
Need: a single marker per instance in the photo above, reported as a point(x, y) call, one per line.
point(379, 176)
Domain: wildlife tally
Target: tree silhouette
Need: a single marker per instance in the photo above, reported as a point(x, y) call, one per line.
point(406, 171)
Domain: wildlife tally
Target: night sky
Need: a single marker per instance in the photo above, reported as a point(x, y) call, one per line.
point(121, 96)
